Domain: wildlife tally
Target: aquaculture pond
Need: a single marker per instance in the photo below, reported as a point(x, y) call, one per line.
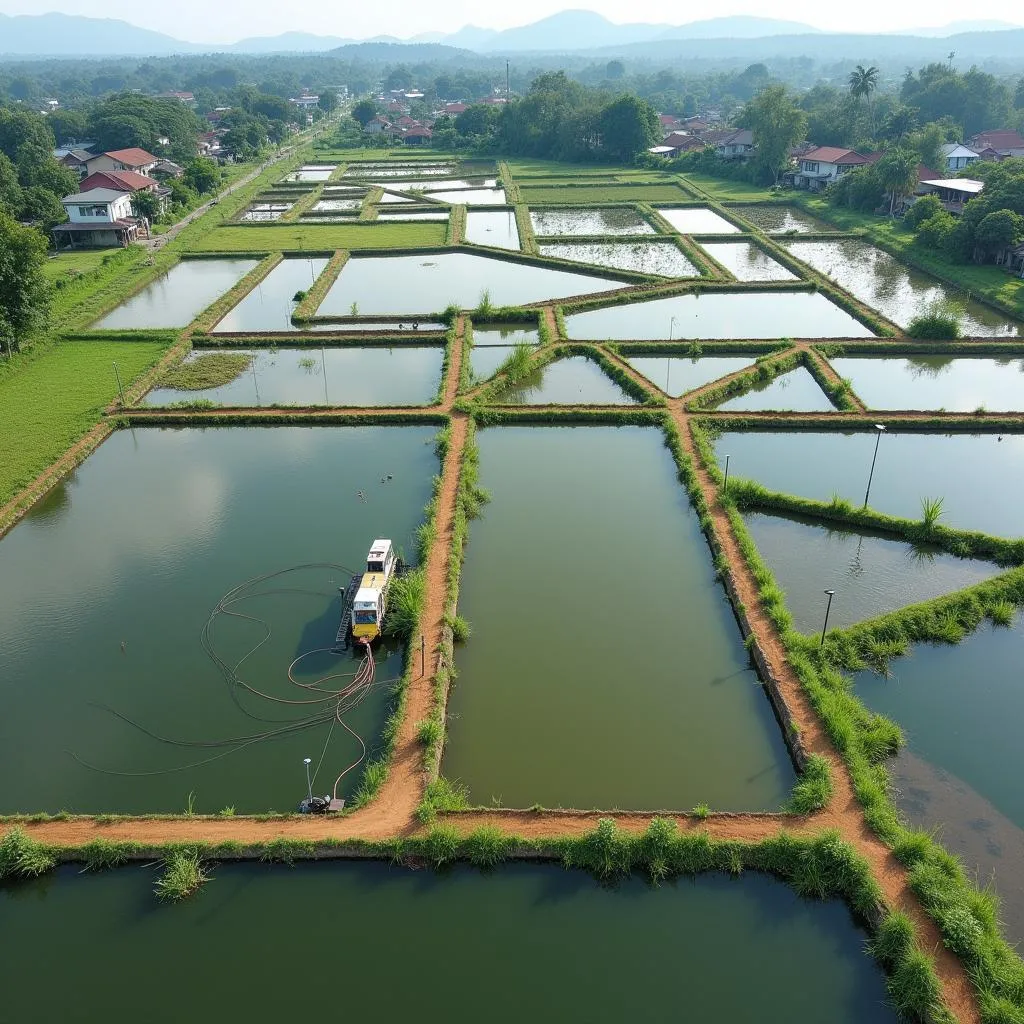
point(609, 221)
point(492, 227)
point(405, 375)
point(106, 587)
point(431, 281)
point(575, 380)
point(310, 174)
point(782, 219)
point(871, 573)
point(960, 708)
point(719, 315)
point(391, 197)
point(327, 205)
point(176, 298)
point(470, 196)
point(698, 221)
point(746, 262)
point(977, 475)
point(794, 391)
point(607, 669)
point(269, 306)
point(795, 955)
point(435, 185)
point(485, 360)
point(439, 215)
point(896, 291)
point(504, 334)
point(936, 382)
point(676, 375)
point(662, 258)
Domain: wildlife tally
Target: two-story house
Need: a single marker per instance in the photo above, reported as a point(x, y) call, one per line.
point(737, 145)
point(824, 165)
point(137, 160)
point(955, 157)
point(98, 218)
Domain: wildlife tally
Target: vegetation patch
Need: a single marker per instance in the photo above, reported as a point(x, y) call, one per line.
point(583, 193)
point(183, 876)
point(210, 370)
point(309, 237)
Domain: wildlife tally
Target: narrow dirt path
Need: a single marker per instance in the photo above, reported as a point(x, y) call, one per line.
point(828, 371)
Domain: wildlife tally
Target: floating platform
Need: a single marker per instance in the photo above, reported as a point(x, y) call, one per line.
point(343, 641)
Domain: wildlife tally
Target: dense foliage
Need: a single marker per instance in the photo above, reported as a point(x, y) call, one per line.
point(24, 292)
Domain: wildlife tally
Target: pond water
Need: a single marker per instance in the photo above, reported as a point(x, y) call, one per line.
point(746, 262)
point(390, 197)
point(960, 708)
point(176, 298)
point(782, 219)
point(575, 380)
point(978, 476)
point(662, 258)
point(719, 315)
point(436, 185)
point(313, 174)
point(325, 205)
point(493, 227)
point(406, 375)
point(261, 215)
point(896, 291)
point(871, 573)
point(484, 361)
point(470, 196)
point(795, 956)
point(676, 375)
point(610, 221)
point(439, 215)
point(794, 391)
point(697, 221)
point(936, 382)
point(642, 698)
point(504, 334)
point(268, 307)
point(404, 170)
point(431, 281)
point(104, 601)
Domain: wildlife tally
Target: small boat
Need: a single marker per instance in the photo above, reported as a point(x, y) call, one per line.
point(370, 601)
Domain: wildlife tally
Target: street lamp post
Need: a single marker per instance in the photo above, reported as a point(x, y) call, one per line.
point(828, 608)
point(725, 485)
point(878, 437)
point(309, 784)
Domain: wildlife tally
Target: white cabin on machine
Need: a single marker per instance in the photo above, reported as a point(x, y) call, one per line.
point(370, 601)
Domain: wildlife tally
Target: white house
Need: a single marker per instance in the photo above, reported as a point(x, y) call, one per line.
point(956, 157)
point(824, 165)
point(98, 218)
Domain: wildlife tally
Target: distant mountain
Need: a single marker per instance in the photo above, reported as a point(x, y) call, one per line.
point(958, 27)
point(570, 30)
point(287, 42)
point(470, 37)
point(71, 35)
point(738, 27)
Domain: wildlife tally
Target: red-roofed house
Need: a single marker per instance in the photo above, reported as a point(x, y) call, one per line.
point(1002, 142)
point(120, 181)
point(418, 135)
point(679, 142)
point(455, 108)
point(824, 165)
point(133, 159)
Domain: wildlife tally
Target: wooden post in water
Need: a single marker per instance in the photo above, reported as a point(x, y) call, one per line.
point(423, 654)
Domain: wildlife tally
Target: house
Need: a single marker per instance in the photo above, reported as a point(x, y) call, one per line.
point(128, 182)
point(379, 126)
point(455, 108)
point(418, 135)
point(1012, 259)
point(669, 123)
point(953, 193)
point(305, 101)
point(824, 165)
point(134, 159)
point(182, 97)
point(956, 157)
point(1002, 142)
point(76, 160)
point(167, 169)
point(98, 217)
point(677, 143)
point(737, 145)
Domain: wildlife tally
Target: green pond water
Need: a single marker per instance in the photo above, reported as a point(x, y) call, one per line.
point(329, 376)
point(504, 334)
point(896, 291)
point(697, 221)
point(470, 196)
point(176, 298)
point(413, 215)
point(936, 382)
point(575, 380)
point(977, 475)
point(662, 258)
point(676, 375)
point(257, 945)
point(719, 315)
point(589, 222)
point(960, 708)
point(431, 281)
point(268, 307)
point(136, 548)
point(795, 391)
point(782, 219)
point(871, 573)
point(605, 667)
point(492, 227)
point(746, 262)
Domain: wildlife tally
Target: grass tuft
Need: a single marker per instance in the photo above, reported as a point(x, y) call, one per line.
point(183, 876)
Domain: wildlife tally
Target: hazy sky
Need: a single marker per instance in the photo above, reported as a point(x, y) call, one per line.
point(229, 20)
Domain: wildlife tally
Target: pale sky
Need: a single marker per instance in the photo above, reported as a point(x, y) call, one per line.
point(229, 20)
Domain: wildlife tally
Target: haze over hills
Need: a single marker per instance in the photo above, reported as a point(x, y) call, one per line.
point(567, 31)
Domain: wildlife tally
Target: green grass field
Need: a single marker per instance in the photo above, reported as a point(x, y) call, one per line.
point(53, 397)
point(615, 193)
point(71, 264)
point(724, 191)
point(553, 168)
point(320, 237)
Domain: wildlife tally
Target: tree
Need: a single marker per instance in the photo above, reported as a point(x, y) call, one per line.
point(202, 175)
point(899, 124)
point(479, 119)
point(10, 189)
point(68, 126)
point(364, 112)
point(628, 126)
point(863, 82)
point(777, 124)
point(925, 208)
point(24, 291)
point(399, 78)
point(146, 204)
point(614, 70)
point(42, 207)
point(935, 233)
point(328, 101)
point(896, 173)
point(998, 230)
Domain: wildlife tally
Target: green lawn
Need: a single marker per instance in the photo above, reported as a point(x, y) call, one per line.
point(574, 171)
point(320, 237)
point(611, 193)
point(723, 190)
point(53, 397)
point(71, 264)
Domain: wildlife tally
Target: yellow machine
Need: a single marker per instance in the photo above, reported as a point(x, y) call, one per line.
point(370, 601)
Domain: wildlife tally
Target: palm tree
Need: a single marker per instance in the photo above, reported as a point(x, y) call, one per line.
point(863, 82)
